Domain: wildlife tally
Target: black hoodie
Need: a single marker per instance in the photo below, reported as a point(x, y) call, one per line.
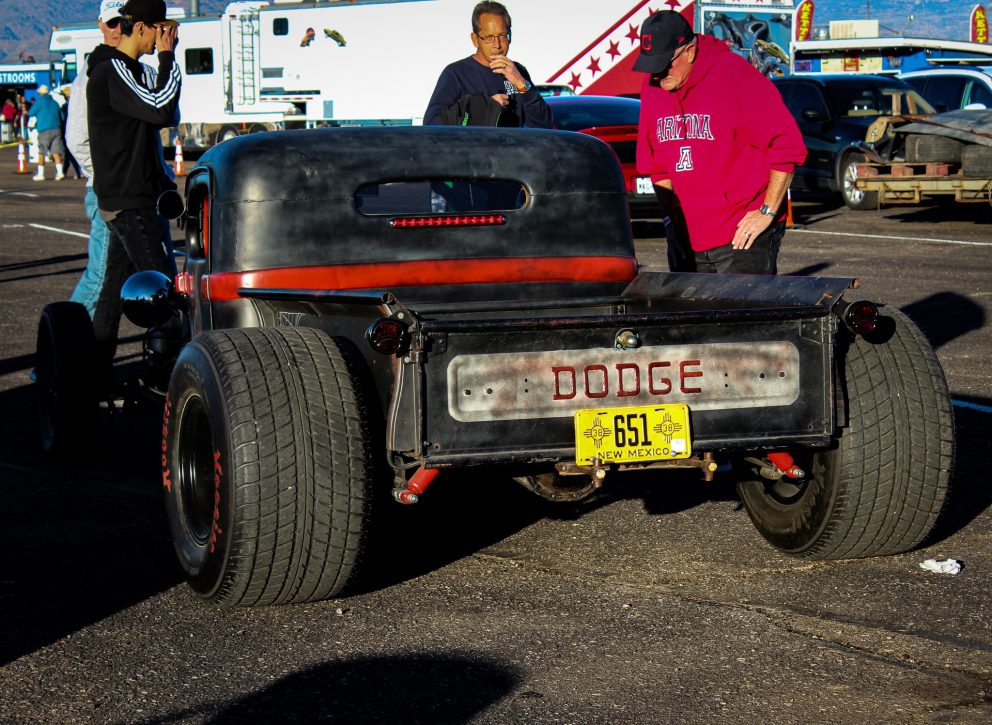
point(125, 115)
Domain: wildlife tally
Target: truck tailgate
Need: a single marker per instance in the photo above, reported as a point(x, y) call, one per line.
point(508, 389)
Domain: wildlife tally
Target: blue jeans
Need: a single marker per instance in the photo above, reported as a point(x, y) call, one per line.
point(88, 287)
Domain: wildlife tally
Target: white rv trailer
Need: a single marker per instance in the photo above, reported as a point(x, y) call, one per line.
point(262, 65)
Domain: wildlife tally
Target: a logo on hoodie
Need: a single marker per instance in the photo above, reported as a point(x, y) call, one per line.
point(684, 127)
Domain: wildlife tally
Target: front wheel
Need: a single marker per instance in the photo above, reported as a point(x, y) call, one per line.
point(854, 197)
point(266, 466)
point(880, 490)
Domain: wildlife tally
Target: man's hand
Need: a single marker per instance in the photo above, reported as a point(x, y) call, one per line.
point(502, 99)
point(748, 228)
point(166, 38)
point(508, 69)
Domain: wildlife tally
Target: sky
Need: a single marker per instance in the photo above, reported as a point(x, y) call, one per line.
point(948, 19)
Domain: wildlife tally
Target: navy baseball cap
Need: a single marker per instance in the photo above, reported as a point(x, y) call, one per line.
point(661, 35)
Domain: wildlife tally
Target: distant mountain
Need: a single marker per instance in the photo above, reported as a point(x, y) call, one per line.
point(26, 25)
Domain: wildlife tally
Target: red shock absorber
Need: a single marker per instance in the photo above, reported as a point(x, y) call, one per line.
point(417, 484)
point(784, 462)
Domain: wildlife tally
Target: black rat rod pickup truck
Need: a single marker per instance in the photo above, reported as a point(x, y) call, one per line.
point(369, 307)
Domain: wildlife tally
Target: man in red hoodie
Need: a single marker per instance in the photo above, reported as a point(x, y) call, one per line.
point(717, 141)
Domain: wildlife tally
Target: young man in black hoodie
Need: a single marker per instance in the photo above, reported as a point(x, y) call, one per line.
point(125, 114)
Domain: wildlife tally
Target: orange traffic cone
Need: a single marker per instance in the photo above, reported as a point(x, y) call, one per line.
point(789, 221)
point(178, 165)
point(22, 159)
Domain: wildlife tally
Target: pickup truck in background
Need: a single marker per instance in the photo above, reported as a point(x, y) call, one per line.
point(368, 308)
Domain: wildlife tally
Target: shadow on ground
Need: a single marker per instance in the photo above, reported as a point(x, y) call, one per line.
point(418, 688)
point(81, 539)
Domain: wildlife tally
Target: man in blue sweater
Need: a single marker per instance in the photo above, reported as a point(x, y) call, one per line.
point(48, 120)
point(503, 88)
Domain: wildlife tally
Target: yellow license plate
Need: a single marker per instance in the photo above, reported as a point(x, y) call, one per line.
point(632, 435)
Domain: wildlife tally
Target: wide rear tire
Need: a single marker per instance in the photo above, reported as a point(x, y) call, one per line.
point(880, 490)
point(66, 378)
point(266, 466)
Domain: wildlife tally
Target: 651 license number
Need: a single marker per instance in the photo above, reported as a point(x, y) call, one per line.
point(632, 434)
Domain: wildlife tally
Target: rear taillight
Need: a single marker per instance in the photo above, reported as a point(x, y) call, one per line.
point(471, 220)
point(387, 336)
point(861, 317)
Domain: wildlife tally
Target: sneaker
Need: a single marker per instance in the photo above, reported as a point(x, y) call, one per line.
point(38, 177)
point(59, 177)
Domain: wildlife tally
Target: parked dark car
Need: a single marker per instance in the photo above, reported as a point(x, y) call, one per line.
point(612, 119)
point(834, 113)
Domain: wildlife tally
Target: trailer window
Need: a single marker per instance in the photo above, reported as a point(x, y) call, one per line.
point(199, 61)
point(280, 26)
point(440, 197)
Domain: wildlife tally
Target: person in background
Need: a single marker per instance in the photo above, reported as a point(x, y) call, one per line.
point(70, 160)
point(78, 141)
point(23, 107)
point(125, 115)
point(8, 115)
point(720, 145)
point(488, 74)
point(48, 117)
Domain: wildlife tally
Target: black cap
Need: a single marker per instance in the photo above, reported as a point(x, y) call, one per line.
point(661, 35)
point(148, 12)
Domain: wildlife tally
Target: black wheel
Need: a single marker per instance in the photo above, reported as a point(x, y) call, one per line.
point(854, 198)
point(879, 491)
point(976, 161)
point(226, 133)
point(266, 466)
point(66, 378)
point(926, 148)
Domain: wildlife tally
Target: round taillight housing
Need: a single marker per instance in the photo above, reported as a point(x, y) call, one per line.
point(387, 336)
point(861, 317)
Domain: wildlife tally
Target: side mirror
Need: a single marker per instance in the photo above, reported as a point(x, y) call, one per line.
point(147, 299)
point(815, 115)
point(171, 204)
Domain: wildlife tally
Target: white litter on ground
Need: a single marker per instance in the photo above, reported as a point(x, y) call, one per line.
point(947, 566)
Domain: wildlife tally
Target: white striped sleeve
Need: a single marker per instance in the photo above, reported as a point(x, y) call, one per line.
point(154, 98)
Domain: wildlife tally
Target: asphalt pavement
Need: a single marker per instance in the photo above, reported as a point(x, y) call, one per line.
point(657, 602)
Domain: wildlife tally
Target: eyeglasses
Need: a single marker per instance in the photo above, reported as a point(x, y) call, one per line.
point(113, 23)
point(660, 75)
point(504, 37)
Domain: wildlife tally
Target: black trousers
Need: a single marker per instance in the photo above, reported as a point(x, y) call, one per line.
point(760, 258)
point(137, 243)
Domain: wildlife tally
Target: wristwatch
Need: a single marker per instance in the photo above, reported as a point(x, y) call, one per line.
point(766, 210)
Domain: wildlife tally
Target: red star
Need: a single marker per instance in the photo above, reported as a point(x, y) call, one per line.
point(673, 4)
point(594, 66)
point(614, 49)
point(576, 85)
point(634, 34)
